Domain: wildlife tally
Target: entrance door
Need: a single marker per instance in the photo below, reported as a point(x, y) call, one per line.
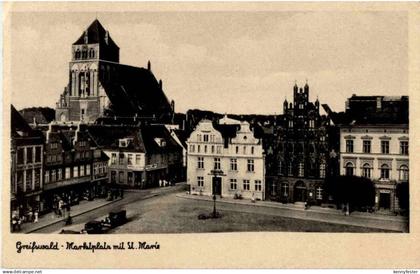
point(385, 201)
point(300, 192)
point(217, 186)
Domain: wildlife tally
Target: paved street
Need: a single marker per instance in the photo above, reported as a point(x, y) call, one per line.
point(167, 210)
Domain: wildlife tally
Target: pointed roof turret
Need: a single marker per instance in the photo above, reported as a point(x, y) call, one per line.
point(95, 34)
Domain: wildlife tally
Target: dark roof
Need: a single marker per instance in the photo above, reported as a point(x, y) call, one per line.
point(227, 131)
point(107, 137)
point(21, 130)
point(96, 35)
point(144, 139)
point(42, 115)
point(182, 136)
point(135, 90)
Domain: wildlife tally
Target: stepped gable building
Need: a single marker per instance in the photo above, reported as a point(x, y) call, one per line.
point(74, 167)
point(226, 158)
point(374, 143)
point(301, 151)
point(26, 166)
point(99, 86)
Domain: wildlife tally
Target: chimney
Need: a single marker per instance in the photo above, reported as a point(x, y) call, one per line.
point(160, 84)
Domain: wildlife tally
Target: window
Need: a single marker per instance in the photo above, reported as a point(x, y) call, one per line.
point(258, 185)
point(366, 170)
point(121, 159)
point(113, 158)
point(246, 184)
point(29, 154)
point(322, 170)
point(366, 146)
point(138, 158)
point(237, 149)
point(301, 170)
point(219, 149)
point(205, 148)
point(280, 167)
point(285, 190)
point(87, 169)
point(192, 148)
point(75, 172)
point(198, 148)
point(113, 177)
point(53, 177)
point(318, 193)
point(311, 124)
point(404, 147)
point(216, 163)
point(59, 174)
point(47, 176)
point(233, 184)
point(385, 147)
point(300, 106)
point(403, 173)
point(200, 162)
point(212, 149)
point(68, 173)
point(28, 179)
point(37, 177)
point(129, 159)
point(206, 137)
point(199, 137)
point(252, 150)
point(349, 169)
point(20, 156)
point(38, 154)
point(250, 166)
point(290, 124)
point(82, 170)
point(130, 178)
point(290, 169)
point(244, 150)
point(234, 164)
point(121, 177)
point(53, 145)
point(349, 146)
point(385, 172)
point(200, 181)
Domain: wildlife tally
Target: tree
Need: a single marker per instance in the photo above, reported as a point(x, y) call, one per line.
point(402, 192)
point(357, 192)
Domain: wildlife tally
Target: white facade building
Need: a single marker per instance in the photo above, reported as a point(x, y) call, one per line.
point(225, 159)
point(378, 152)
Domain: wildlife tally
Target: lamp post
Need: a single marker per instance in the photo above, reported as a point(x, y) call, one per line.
point(214, 206)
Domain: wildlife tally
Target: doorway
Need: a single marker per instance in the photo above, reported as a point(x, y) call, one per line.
point(217, 186)
point(385, 201)
point(300, 192)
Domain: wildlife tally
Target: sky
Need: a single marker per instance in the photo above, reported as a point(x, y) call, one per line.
point(229, 62)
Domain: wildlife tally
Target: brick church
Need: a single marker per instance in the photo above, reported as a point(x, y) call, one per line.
point(303, 152)
point(99, 86)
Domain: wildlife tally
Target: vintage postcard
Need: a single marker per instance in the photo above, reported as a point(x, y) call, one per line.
point(210, 135)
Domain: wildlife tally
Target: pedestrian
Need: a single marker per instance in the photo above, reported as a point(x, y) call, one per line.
point(36, 216)
point(160, 183)
point(60, 207)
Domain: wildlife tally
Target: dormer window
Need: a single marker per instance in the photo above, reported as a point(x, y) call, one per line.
point(160, 142)
point(125, 142)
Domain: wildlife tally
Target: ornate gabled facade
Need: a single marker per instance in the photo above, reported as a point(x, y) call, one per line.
point(301, 152)
point(225, 159)
point(99, 86)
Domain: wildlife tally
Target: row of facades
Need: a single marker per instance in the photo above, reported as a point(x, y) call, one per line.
point(289, 160)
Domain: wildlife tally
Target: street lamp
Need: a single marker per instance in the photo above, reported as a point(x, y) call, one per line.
point(214, 206)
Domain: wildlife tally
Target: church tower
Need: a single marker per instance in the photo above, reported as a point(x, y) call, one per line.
point(82, 102)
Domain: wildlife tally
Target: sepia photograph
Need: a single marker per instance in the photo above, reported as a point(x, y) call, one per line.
point(180, 121)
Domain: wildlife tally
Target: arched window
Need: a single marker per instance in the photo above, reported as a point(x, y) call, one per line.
point(322, 170)
point(349, 169)
point(403, 173)
point(84, 54)
point(77, 54)
point(366, 170)
point(385, 172)
point(91, 53)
